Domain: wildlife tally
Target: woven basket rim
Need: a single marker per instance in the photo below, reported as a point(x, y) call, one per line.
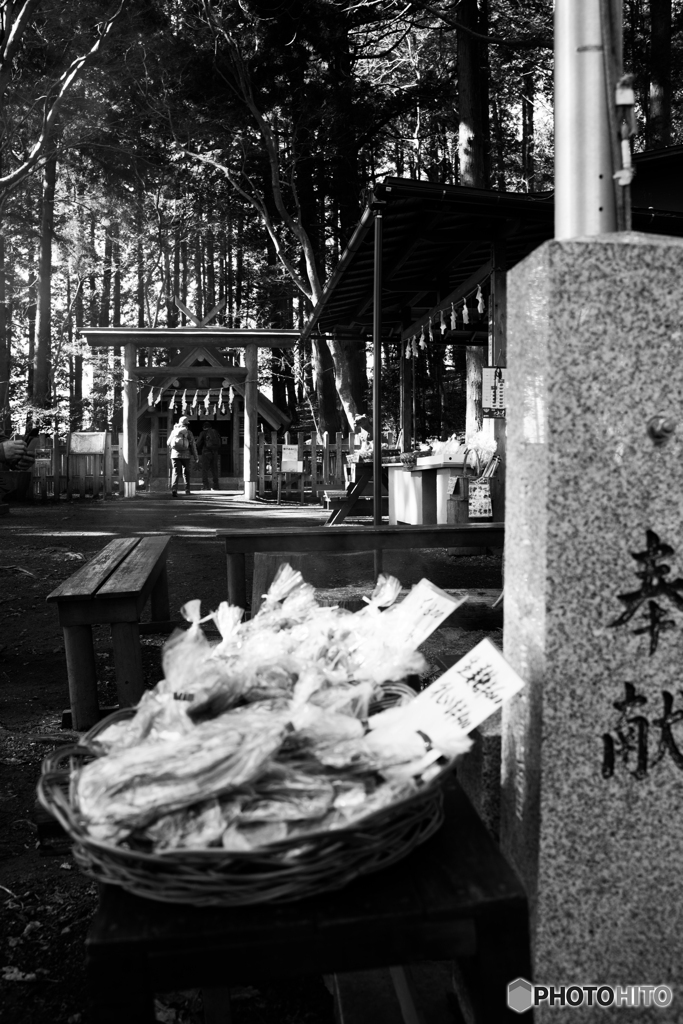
point(53, 783)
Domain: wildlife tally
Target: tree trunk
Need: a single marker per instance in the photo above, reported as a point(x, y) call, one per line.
point(471, 158)
point(41, 366)
point(140, 266)
point(105, 301)
point(77, 399)
point(31, 317)
point(173, 313)
point(209, 257)
point(5, 354)
point(239, 271)
point(324, 367)
point(470, 99)
point(528, 91)
point(659, 120)
point(230, 279)
point(184, 257)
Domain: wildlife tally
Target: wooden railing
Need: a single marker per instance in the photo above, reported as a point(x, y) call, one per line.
point(78, 475)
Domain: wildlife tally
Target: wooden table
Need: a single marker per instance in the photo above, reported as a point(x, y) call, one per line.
point(343, 539)
point(454, 897)
point(113, 587)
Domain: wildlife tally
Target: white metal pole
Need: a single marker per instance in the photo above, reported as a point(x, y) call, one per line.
point(584, 190)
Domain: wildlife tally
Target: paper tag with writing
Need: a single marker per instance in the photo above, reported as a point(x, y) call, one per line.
point(444, 713)
point(418, 615)
point(475, 687)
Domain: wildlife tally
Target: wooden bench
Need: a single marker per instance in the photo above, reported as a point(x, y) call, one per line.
point(113, 587)
point(343, 539)
point(453, 898)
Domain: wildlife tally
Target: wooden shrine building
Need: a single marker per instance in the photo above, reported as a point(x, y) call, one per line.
point(200, 382)
point(427, 265)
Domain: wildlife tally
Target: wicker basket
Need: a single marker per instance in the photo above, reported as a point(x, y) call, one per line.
point(290, 869)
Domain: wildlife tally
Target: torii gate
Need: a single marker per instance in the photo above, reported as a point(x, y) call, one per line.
point(188, 337)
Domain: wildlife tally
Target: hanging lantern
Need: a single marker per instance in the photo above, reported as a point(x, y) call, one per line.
point(480, 300)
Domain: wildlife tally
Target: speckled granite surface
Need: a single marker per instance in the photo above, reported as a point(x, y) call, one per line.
point(592, 793)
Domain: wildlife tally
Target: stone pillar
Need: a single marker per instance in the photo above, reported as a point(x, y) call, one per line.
point(592, 770)
point(250, 420)
point(128, 452)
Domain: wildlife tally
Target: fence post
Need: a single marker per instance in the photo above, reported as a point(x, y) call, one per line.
point(107, 466)
point(273, 461)
point(325, 468)
point(314, 467)
point(300, 458)
point(261, 449)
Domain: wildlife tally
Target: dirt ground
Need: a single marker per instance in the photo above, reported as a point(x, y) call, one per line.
point(46, 903)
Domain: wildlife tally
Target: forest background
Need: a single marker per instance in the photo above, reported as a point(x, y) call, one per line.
point(223, 151)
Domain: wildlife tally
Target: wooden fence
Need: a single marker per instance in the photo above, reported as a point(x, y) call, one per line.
point(75, 475)
point(323, 464)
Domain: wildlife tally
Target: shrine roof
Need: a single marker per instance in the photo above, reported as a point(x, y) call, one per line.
point(437, 246)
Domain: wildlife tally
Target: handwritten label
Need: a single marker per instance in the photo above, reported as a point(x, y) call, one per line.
point(418, 615)
point(473, 689)
point(443, 714)
point(290, 453)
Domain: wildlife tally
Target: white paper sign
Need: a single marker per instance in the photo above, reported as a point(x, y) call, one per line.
point(493, 391)
point(418, 615)
point(473, 689)
point(87, 443)
point(290, 453)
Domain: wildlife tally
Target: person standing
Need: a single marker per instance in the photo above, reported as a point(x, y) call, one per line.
point(209, 446)
point(183, 447)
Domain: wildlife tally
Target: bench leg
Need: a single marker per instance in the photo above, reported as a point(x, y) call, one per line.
point(237, 579)
point(82, 672)
point(216, 1005)
point(128, 662)
point(161, 608)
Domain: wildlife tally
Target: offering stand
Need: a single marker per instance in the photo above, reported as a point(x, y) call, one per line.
point(419, 494)
point(454, 897)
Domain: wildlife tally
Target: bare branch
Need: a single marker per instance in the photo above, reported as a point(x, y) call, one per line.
point(518, 43)
point(52, 104)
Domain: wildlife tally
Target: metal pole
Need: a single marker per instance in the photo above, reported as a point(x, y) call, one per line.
point(250, 420)
point(376, 373)
point(584, 189)
point(128, 465)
